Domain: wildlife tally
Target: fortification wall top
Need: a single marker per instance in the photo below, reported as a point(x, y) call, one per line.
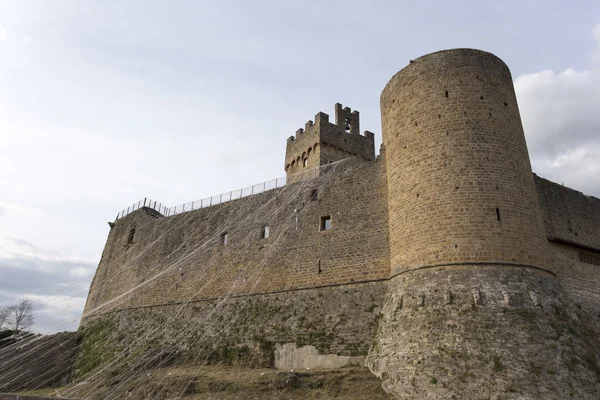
point(570, 216)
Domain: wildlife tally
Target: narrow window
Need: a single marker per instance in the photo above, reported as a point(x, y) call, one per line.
point(305, 162)
point(224, 238)
point(326, 223)
point(131, 235)
point(446, 93)
point(347, 124)
point(314, 195)
point(266, 231)
point(498, 213)
point(319, 267)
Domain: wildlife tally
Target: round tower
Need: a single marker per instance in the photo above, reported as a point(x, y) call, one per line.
point(473, 308)
point(461, 189)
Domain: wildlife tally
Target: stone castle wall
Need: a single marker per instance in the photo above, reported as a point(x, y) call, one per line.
point(473, 308)
point(570, 216)
point(447, 257)
point(181, 263)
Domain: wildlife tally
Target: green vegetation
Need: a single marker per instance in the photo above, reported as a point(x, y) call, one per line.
point(97, 346)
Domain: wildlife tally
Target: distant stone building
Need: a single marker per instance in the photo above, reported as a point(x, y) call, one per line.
point(444, 263)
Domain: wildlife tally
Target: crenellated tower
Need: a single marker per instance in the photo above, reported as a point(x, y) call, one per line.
point(321, 142)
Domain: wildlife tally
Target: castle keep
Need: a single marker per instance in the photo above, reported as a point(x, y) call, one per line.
point(443, 264)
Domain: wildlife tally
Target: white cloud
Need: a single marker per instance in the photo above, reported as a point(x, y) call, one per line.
point(562, 124)
point(18, 210)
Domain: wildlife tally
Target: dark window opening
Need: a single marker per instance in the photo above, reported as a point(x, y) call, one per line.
point(131, 235)
point(498, 213)
point(224, 238)
point(314, 195)
point(347, 124)
point(446, 93)
point(305, 162)
point(589, 258)
point(325, 223)
point(319, 267)
point(266, 232)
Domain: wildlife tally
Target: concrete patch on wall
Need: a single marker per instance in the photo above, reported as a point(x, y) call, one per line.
point(288, 356)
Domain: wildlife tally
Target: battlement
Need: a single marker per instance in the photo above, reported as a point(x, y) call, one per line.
point(321, 142)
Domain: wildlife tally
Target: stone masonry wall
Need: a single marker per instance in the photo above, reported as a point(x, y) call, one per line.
point(484, 333)
point(570, 216)
point(460, 181)
point(243, 330)
point(182, 259)
point(578, 271)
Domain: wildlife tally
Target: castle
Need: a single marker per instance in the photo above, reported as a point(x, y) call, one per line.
point(443, 264)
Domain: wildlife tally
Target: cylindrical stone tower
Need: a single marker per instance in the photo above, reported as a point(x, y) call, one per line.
point(461, 188)
point(472, 302)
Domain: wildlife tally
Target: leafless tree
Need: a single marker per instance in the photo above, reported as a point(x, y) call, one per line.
point(5, 313)
point(22, 315)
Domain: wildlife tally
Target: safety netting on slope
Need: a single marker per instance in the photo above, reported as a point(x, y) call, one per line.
point(136, 351)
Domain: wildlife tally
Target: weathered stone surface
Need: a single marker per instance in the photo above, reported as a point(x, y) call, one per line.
point(533, 348)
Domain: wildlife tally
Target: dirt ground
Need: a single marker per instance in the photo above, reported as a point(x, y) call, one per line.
point(221, 382)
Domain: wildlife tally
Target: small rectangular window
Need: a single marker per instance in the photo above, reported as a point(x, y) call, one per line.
point(305, 162)
point(225, 238)
point(326, 223)
point(131, 235)
point(266, 231)
point(314, 195)
point(498, 214)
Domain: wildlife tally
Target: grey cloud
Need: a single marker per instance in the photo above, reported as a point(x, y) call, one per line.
point(24, 244)
point(58, 296)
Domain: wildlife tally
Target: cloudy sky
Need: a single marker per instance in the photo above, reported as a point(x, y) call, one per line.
point(106, 102)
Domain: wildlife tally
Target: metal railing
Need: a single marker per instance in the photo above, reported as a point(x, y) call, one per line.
point(206, 202)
